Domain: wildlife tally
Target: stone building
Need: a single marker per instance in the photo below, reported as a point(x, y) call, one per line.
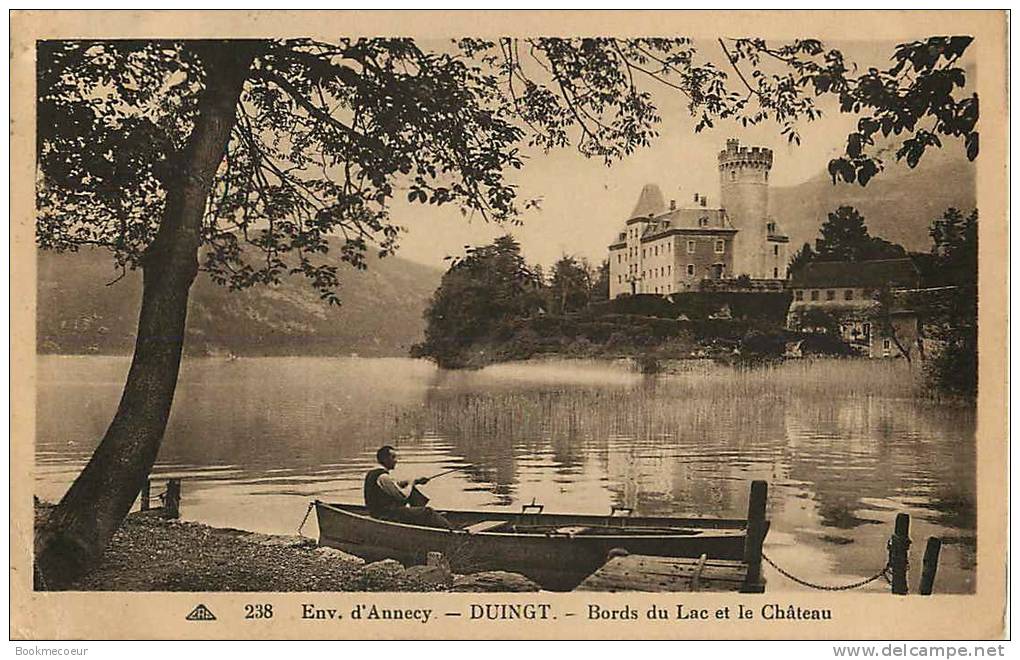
point(667, 249)
point(844, 297)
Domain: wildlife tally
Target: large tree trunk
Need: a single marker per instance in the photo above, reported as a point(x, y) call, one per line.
point(81, 525)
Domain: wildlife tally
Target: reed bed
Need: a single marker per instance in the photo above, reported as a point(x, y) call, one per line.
point(808, 377)
point(751, 405)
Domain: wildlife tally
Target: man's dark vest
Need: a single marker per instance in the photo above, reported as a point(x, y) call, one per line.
point(377, 500)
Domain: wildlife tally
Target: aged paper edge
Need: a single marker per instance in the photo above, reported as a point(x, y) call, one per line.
point(120, 615)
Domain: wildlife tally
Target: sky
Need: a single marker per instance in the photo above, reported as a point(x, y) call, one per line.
point(584, 203)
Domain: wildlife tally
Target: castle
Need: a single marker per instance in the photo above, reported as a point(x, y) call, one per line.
point(668, 250)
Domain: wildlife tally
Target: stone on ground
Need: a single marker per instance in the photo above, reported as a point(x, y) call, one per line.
point(339, 555)
point(428, 577)
point(382, 575)
point(494, 581)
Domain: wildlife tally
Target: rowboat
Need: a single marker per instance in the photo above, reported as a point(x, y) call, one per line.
point(555, 550)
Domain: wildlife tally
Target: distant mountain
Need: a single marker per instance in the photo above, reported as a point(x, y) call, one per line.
point(898, 204)
point(381, 314)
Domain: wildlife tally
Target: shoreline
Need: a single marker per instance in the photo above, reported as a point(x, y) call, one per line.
point(652, 363)
point(152, 553)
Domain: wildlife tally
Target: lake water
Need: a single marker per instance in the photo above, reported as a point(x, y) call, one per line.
point(842, 444)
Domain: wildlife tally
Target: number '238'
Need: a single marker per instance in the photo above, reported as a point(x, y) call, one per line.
point(258, 611)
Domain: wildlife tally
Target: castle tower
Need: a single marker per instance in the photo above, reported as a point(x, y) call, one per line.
point(650, 204)
point(744, 188)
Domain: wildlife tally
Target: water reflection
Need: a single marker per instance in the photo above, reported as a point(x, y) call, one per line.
point(257, 438)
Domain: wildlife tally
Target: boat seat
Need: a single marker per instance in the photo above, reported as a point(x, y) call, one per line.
point(572, 530)
point(484, 526)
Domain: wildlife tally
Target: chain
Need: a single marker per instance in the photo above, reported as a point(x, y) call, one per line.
point(846, 587)
point(308, 511)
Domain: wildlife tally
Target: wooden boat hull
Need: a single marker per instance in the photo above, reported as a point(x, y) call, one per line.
point(534, 545)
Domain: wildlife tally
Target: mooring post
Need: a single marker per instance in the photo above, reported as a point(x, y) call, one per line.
point(899, 545)
point(172, 501)
point(931, 565)
point(146, 491)
point(756, 529)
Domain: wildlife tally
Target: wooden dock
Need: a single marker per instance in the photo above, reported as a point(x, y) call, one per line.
point(667, 574)
point(628, 572)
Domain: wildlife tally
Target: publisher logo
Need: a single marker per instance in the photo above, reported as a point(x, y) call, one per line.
point(201, 613)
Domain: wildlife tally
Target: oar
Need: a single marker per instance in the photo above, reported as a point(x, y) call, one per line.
point(417, 498)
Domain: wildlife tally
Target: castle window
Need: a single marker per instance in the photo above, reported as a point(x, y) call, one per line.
point(702, 222)
point(775, 250)
point(690, 247)
point(848, 294)
point(720, 246)
point(830, 295)
point(766, 175)
point(690, 270)
point(669, 270)
point(814, 294)
point(733, 175)
point(775, 273)
point(619, 279)
point(798, 294)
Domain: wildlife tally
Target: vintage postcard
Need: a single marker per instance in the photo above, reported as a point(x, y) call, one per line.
point(496, 325)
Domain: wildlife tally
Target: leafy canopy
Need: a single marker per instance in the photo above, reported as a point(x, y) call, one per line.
point(801, 258)
point(327, 134)
point(845, 237)
point(478, 296)
point(571, 285)
point(952, 313)
point(922, 96)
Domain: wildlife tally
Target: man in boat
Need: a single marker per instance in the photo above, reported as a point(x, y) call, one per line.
point(388, 499)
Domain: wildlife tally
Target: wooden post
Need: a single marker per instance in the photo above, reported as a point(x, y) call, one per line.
point(931, 565)
point(172, 499)
point(146, 491)
point(899, 545)
point(698, 569)
point(757, 527)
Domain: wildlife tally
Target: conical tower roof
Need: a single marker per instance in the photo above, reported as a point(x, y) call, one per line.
point(650, 202)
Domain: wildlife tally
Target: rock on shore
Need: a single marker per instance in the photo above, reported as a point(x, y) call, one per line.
point(150, 553)
point(493, 581)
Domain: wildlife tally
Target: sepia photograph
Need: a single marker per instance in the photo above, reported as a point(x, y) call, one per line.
point(474, 312)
